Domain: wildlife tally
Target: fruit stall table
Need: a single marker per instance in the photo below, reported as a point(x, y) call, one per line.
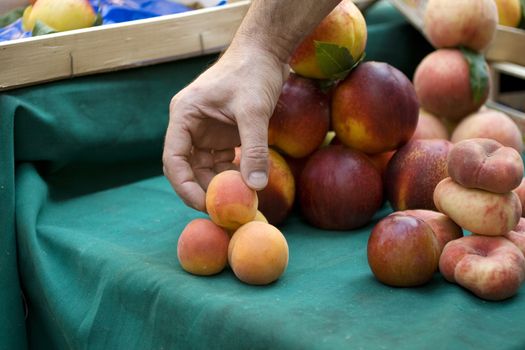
point(89, 229)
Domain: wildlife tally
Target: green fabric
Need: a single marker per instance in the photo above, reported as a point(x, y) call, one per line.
point(97, 227)
point(12, 327)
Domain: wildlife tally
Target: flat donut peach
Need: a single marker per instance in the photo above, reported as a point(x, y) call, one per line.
point(490, 267)
point(485, 164)
point(478, 211)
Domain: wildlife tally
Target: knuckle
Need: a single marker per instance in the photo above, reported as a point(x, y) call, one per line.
point(255, 152)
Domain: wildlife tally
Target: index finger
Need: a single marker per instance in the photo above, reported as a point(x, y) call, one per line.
point(177, 168)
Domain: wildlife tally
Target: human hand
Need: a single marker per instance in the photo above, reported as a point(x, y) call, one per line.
point(229, 105)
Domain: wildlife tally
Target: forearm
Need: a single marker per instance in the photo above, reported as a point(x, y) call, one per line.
point(278, 26)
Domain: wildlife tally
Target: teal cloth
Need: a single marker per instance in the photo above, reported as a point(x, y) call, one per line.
point(90, 226)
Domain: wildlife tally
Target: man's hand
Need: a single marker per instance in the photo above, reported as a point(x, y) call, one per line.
point(229, 105)
point(232, 102)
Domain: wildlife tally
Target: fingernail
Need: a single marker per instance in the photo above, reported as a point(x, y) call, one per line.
point(258, 179)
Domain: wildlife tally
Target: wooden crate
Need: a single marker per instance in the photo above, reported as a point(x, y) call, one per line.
point(508, 44)
point(116, 46)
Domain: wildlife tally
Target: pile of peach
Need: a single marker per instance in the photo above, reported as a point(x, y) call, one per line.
point(444, 163)
point(407, 247)
point(257, 252)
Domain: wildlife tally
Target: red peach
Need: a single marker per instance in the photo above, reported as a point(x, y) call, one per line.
point(344, 26)
point(442, 83)
point(454, 23)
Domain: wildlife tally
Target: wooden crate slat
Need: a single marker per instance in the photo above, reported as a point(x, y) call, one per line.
point(99, 49)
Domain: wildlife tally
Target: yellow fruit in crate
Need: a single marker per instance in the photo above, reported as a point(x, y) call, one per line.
point(61, 15)
point(509, 12)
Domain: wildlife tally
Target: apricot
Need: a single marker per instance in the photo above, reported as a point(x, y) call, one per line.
point(230, 203)
point(202, 248)
point(258, 253)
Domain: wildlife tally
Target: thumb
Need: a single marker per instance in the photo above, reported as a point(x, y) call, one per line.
point(254, 151)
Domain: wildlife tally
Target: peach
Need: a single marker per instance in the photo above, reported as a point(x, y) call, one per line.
point(490, 124)
point(430, 127)
point(492, 268)
point(345, 26)
point(520, 191)
point(230, 203)
point(402, 251)
point(485, 164)
point(379, 118)
point(442, 84)
point(300, 119)
point(277, 198)
point(202, 248)
point(339, 189)
point(413, 173)
point(509, 12)
point(60, 15)
point(443, 227)
point(381, 160)
point(478, 211)
point(454, 23)
point(517, 235)
point(258, 253)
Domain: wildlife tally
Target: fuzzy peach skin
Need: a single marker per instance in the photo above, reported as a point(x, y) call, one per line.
point(478, 211)
point(230, 203)
point(492, 268)
point(277, 198)
point(489, 124)
point(517, 236)
point(485, 164)
point(202, 248)
point(442, 84)
point(443, 227)
point(258, 253)
point(344, 26)
point(413, 173)
point(60, 15)
point(520, 191)
point(509, 12)
point(430, 127)
point(403, 251)
point(375, 109)
point(301, 117)
point(454, 23)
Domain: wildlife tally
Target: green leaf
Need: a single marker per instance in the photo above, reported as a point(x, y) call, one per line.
point(479, 74)
point(11, 16)
point(334, 61)
point(42, 29)
point(522, 21)
point(98, 20)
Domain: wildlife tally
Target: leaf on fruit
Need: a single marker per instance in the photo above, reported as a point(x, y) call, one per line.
point(42, 29)
point(334, 61)
point(522, 21)
point(479, 74)
point(11, 16)
point(98, 19)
